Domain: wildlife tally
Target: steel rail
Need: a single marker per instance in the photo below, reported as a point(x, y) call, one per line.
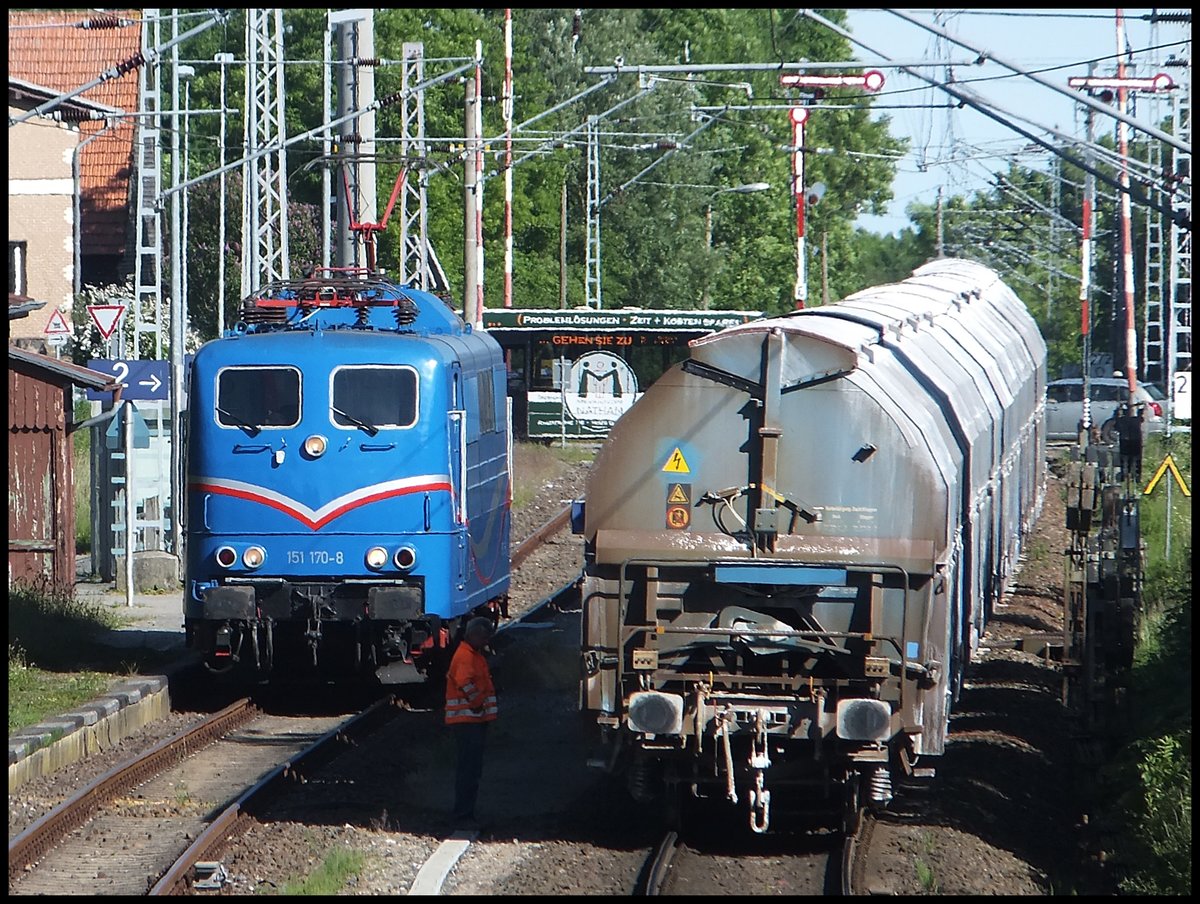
point(32, 844)
point(856, 847)
point(540, 536)
point(237, 815)
point(660, 864)
point(48, 831)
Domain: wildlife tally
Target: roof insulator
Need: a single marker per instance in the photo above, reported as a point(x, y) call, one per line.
point(104, 22)
point(130, 64)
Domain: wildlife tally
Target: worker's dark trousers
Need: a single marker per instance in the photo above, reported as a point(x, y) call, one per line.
point(469, 737)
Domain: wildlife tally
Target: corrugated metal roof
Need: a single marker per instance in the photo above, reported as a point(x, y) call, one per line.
point(51, 48)
point(80, 376)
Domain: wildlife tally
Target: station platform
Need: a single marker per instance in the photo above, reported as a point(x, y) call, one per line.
point(153, 622)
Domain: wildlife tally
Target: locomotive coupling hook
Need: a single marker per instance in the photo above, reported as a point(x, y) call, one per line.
point(760, 761)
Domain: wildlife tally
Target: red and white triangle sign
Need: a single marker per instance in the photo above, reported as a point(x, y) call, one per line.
point(57, 326)
point(106, 317)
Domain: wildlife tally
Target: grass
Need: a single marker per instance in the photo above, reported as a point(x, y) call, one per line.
point(34, 694)
point(54, 660)
point(1152, 806)
point(1154, 768)
point(926, 877)
point(925, 873)
point(330, 877)
point(1152, 509)
point(52, 628)
point(1038, 550)
point(535, 465)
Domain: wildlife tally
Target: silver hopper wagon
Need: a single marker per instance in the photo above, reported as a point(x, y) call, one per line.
point(794, 539)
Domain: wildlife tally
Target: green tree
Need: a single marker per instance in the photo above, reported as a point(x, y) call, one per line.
point(1027, 226)
point(653, 249)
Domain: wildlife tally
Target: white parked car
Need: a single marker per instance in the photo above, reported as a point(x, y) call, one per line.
point(1064, 405)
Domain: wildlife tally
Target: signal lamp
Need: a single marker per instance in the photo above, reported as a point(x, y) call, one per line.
point(873, 80)
point(376, 557)
point(406, 558)
point(254, 556)
point(226, 556)
point(315, 445)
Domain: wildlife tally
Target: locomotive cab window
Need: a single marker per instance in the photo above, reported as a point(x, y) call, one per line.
point(372, 397)
point(257, 397)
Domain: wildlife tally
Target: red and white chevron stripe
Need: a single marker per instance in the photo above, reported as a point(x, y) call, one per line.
point(318, 518)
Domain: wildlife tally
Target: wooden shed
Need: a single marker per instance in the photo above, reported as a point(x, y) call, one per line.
point(41, 495)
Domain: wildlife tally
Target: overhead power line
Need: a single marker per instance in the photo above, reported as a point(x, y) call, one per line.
point(1180, 217)
point(1096, 105)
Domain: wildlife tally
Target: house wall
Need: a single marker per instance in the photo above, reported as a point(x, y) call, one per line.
point(41, 214)
point(41, 513)
point(47, 49)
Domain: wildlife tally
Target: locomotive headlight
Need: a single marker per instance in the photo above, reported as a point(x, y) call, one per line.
point(376, 557)
point(226, 556)
point(863, 720)
point(254, 556)
point(405, 558)
point(315, 445)
point(654, 712)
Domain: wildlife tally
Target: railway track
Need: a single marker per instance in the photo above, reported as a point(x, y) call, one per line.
point(793, 863)
point(543, 817)
point(143, 826)
point(856, 853)
point(535, 540)
point(156, 824)
point(658, 867)
point(172, 835)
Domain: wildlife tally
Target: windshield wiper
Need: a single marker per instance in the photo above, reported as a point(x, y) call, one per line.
point(362, 425)
point(251, 429)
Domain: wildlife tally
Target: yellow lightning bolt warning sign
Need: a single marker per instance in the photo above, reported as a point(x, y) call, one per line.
point(676, 463)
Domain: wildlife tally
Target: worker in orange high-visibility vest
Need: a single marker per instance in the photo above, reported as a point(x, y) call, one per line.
point(470, 706)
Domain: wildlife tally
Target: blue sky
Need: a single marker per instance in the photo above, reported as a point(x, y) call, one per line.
point(959, 148)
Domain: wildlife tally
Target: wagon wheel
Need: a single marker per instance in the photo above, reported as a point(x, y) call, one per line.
point(851, 811)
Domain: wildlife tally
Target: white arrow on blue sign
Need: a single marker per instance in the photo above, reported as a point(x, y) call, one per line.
point(146, 380)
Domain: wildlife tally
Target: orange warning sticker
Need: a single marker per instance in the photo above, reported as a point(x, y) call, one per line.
point(676, 463)
point(678, 517)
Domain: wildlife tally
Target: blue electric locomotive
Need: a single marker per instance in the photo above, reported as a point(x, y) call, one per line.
point(348, 482)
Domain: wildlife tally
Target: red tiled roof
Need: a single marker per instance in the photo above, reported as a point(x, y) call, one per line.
point(48, 48)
